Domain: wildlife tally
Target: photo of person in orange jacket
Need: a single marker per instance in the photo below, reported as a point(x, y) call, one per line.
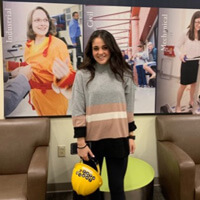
point(48, 56)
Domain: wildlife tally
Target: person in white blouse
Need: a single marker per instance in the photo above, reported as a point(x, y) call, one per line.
point(188, 49)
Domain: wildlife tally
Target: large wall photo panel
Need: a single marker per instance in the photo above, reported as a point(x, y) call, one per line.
point(152, 41)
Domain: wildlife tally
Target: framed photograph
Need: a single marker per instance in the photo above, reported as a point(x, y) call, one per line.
point(178, 61)
point(132, 27)
point(135, 30)
point(151, 40)
point(42, 92)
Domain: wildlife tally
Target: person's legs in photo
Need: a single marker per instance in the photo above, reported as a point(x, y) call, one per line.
point(139, 73)
point(150, 70)
point(179, 97)
point(79, 52)
point(192, 90)
point(144, 80)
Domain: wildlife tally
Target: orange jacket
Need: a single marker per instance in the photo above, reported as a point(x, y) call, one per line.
point(42, 62)
point(44, 99)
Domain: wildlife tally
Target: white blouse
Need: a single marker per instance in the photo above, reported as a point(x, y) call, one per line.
point(186, 46)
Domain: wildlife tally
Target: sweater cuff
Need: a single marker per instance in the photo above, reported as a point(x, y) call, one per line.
point(11, 65)
point(79, 132)
point(132, 126)
point(5, 76)
point(67, 81)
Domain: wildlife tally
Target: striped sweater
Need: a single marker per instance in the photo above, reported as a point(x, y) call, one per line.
point(103, 108)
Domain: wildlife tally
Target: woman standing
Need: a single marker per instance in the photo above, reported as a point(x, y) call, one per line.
point(102, 110)
point(52, 73)
point(190, 41)
point(140, 59)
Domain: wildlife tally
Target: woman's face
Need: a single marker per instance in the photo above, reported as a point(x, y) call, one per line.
point(100, 51)
point(40, 23)
point(197, 24)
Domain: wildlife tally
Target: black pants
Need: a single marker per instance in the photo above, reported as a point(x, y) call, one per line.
point(141, 75)
point(78, 47)
point(79, 53)
point(116, 169)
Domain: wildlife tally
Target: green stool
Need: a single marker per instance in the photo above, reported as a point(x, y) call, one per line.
point(138, 182)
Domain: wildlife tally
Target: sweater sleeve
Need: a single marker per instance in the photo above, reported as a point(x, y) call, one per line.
point(144, 56)
point(154, 54)
point(130, 99)
point(72, 31)
point(78, 107)
point(14, 92)
point(61, 52)
point(5, 77)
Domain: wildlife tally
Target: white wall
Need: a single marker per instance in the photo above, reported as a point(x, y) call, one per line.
point(62, 134)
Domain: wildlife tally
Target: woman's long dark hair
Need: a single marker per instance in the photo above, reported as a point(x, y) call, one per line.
point(117, 63)
point(191, 26)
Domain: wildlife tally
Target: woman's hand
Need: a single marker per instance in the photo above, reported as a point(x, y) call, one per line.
point(132, 146)
point(60, 68)
point(85, 153)
point(182, 57)
point(25, 70)
point(83, 150)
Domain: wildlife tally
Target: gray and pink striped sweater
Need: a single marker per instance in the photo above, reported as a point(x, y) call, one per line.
point(104, 108)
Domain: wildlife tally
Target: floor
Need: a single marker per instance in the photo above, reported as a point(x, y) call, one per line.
point(157, 195)
point(144, 100)
point(68, 195)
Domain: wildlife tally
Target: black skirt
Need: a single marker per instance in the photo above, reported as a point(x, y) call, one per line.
point(189, 71)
